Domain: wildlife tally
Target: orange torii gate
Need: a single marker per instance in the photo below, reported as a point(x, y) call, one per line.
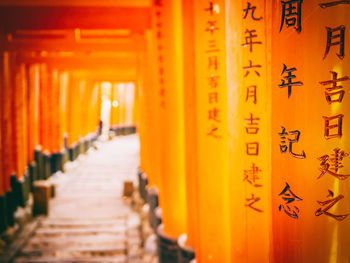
point(53, 113)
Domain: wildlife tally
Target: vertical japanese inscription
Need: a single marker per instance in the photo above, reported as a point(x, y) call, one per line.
point(251, 73)
point(158, 7)
point(291, 17)
point(333, 125)
point(212, 55)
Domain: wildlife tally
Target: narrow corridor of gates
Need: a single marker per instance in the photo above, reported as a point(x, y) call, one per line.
point(89, 220)
point(242, 113)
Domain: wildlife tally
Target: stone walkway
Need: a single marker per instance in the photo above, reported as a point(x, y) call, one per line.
point(89, 220)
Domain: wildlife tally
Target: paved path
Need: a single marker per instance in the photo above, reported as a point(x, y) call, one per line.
point(89, 221)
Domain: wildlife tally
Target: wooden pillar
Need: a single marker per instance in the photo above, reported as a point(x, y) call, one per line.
point(115, 106)
point(190, 117)
point(44, 108)
point(130, 103)
point(7, 131)
point(144, 87)
point(249, 130)
point(64, 87)
point(135, 110)
point(310, 131)
point(33, 110)
point(19, 107)
point(170, 70)
point(84, 110)
point(7, 128)
point(206, 114)
point(122, 110)
point(72, 112)
point(56, 126)
point(96, 103)
point(3, 214)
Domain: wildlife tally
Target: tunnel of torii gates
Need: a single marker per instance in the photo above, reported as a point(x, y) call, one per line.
point(241, 109)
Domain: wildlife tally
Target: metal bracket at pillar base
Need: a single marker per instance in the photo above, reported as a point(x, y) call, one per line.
point(168, 249)
point(186, 253)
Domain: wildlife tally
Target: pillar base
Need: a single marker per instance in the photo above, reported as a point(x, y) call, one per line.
point(186, 253)
point(78, 150)
point(116, 131)
point(26, 188)
point(158, 217)
point(133, 129)
point(71, 155)
point(168, 249)
point(54, 162)
point(47, 165)
point(86, 145)
point(39, 160)
point(10, 208)
point(57, 162)
point(33, 174)
point(3, 214)
point(61, 160)
point(17, 192)
point(143, 182)
point(152, 200)
point(65, 158)
point(65, 142)
point(74, 151)
point(21, 190)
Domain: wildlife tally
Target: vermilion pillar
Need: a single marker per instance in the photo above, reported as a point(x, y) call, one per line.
point(115, 106)
point(190, 118)
point(20, 121)
point(33, 110)
point(170, 70)
point(149, 114)
point(249, 92)
point(54, 102)
point(145, 130)
point(44, 108)
point(310, 131)
point(96, 104)
point(73, 112)
point(7, 130)
point(64, 87)
point(212, 178)
point(3, 210)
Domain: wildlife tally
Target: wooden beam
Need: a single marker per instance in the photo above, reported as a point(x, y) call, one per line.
point(82, 62)
point(119, 3)
point(68, 41)
point(136, 19)
point(106, 75)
